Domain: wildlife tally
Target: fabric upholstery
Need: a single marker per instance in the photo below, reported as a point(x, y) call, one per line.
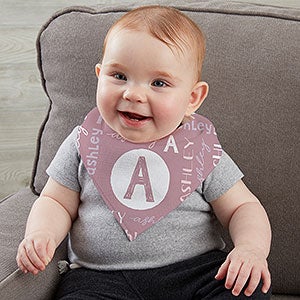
point(252, 66)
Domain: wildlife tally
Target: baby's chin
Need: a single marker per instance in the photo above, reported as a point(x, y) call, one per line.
point(140, 135)
point(143, 138)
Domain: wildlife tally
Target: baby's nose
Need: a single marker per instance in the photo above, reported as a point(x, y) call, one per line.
point(135, 94)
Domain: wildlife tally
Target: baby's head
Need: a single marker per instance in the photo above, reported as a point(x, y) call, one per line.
point(149, 78)
point(168, 25)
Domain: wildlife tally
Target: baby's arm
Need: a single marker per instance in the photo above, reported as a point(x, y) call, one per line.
point(241, 212)
point(49, 221)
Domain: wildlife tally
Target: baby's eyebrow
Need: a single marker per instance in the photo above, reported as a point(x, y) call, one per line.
point(163, 74)
point(115, 65)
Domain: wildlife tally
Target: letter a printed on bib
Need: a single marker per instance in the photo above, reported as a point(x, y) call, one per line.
point(146, 181)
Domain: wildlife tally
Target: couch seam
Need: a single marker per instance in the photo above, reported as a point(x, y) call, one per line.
point(12, 275)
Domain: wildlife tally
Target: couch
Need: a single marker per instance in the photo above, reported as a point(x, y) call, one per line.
point(252, 65)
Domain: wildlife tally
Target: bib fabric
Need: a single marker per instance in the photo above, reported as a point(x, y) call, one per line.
point(142, 182)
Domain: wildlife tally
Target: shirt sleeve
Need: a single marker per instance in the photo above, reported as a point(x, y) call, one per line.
point(221, 179)
point(64, 166)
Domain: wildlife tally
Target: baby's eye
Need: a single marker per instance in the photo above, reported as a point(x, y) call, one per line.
point(159, 83)
point(120, 76)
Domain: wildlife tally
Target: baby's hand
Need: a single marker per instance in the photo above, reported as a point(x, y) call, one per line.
point(35, 252)
point(243, 264)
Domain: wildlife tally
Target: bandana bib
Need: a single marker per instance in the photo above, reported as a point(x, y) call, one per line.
point(142, 182)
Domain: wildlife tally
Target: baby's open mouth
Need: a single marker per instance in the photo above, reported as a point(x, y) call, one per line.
point(133, 116)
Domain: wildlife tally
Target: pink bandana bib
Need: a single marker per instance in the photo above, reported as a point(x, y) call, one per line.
point(142, 183)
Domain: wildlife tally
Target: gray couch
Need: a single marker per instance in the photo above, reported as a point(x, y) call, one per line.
point(252, 66)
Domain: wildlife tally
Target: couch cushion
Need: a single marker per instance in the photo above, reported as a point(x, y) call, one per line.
point(251, 65)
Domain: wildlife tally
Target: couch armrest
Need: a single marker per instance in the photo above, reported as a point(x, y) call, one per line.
point(13, 283)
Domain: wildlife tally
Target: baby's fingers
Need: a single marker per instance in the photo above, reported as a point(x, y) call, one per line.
point(242, 278)
point(253, 282)
point(266, 277)
point(41, 250)
point(21, 266)
point(223, 270)
point(51, 246)
point(29, 257)
point(232, 273)
point(25, 264)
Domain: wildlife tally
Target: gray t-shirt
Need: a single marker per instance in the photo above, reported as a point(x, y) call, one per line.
point(97, 241)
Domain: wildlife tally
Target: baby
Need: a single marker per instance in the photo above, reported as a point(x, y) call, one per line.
point(143, 184)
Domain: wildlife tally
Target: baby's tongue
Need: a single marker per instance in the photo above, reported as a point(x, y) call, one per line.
point(135, 116)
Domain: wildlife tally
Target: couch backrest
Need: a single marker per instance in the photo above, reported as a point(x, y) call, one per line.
point(252, 66)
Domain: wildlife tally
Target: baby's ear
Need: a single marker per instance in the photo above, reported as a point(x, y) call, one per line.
point(97, 69)
point(198, 95)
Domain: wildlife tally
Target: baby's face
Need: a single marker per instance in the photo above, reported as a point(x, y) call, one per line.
point(144, 89)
